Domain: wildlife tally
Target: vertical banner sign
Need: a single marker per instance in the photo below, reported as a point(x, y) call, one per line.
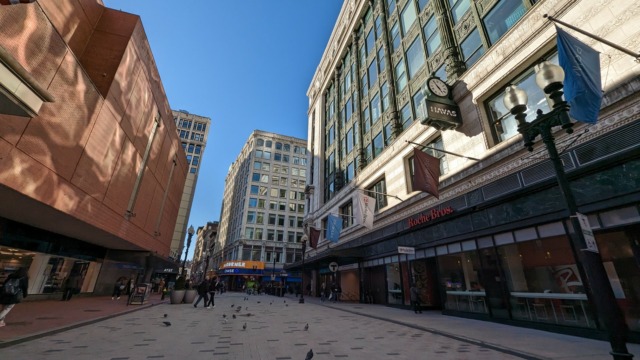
point(426, 173)
point(365, 206)
point(314, 235)
point(334, 227)
point(585, 227)
point(582, 84)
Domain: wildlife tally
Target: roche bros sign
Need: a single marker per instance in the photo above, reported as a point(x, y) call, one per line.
point(430, 215)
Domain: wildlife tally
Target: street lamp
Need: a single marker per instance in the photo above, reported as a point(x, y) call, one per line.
point(191, 231)
point(303, 239)
point(206, 264)
point(549, 78)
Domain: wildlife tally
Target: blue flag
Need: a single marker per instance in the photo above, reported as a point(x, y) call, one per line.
point(582, 84)
point(334, 226)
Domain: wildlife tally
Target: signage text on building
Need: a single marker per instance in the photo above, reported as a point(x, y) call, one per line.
point(430, 215)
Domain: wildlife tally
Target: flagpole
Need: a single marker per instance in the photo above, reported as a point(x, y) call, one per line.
point(444, 151)
point(595, 37)
point(375, 192)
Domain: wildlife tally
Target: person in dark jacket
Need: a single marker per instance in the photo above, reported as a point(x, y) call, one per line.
point(71, 286)
point(203, 290)
point(9, 301)
point(213, 284)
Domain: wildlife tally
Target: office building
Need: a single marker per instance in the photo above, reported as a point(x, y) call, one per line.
point(493, 245)
point(91, 168)
point(193, 131)
point(261, 221)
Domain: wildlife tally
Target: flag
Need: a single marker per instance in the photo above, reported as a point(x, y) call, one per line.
point(582, 85)
point(426, 174)
point(334, 226)
point(363, 212)
point(314, 235)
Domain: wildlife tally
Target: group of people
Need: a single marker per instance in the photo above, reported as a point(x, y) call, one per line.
point(332, 293)
point(13, 290)
point(122, 286)
point(207, 291)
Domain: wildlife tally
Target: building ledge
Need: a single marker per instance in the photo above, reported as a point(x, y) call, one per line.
point(20, 93)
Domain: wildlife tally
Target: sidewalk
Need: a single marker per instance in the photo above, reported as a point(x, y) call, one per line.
point(32, 320)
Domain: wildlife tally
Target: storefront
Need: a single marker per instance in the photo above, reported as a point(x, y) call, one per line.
point(237, 274)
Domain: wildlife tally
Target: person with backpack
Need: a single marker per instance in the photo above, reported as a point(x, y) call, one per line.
point(213, 284)
point(13, 291)
point(203, 293)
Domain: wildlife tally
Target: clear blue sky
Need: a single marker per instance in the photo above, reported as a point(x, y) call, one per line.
point(246, 64)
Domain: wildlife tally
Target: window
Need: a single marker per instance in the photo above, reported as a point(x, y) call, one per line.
point(280, 220)
point(415, 57)
point(370, 42)
point(248, 233)
point(408, 17)
point(405, 116)
point(277, 157)
point(198, 149)
point(395, 37)
point(347, 81)
point(391, 6)
point(283, 194)
point(472, 48)
point(272, 219)
point(378, 191)
point(377, 145)
point(278, 145)
point(255, 177)
point(271, 235)
point(251, 217)
point(502, 17)
point(422, 4)
point(268, 143)
point(266, 155)
point(332, 135)
point(260, 142)
point(459, 8)
point(282, 206)
point(365, 84)
point(253, 202)
point(375, 109)
point(301, 208)
point(257, 165)
point(291, 237)
point(349, 145)
point(258, 236)
point(381, 59)
point(366, 121)
point(417, 99)
point(266, 166)
point(348, 110)
point(254, 189)
point(432, 35)
point(273, 193)
point(261, 203)
point(378, 27)
point(388, 134)
point(367, 152)
point(384, 90)
point(264, 178)
point(373, 72)
point(286, 147)
point(191, 148)
point(504, 124)
point(350, 172)
point(273, 205)
point(263, 190)
point(346, 213)
point(401, 76)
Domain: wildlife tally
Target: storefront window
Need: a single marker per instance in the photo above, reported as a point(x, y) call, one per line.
point(459, 278)
point(394, 284)
point(544, 282)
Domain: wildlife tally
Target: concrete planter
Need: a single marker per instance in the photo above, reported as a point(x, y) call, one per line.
point(176, 296)
point(190, 296)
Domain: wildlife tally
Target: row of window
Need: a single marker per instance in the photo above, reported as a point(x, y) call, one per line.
point(254, 217)
point(260, 154)
point(272, 235)
point(281, 146)
point(186, 124)
point(192, 148)
point(185, 134)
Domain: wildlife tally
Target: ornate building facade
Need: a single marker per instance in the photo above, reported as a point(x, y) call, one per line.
point(501, 247)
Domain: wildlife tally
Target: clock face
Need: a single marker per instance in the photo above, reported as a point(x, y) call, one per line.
point(438, 87)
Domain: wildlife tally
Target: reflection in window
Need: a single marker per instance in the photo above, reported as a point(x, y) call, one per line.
point(401, 76)
point(432, 35)
point(415, 57)
point(377, 145)
point(379, 191)
point(502, 17)
point(408, 17)
point(459, 8)
point(472, 48)
point(395, 37)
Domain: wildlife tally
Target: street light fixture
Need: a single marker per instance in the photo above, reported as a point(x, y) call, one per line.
point(303, 239)
point(190, 232)
point(549, 78)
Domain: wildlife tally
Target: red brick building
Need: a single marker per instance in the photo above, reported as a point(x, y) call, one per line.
point(91, 166)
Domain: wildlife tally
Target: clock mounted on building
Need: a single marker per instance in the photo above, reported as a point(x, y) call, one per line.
point(438, 87)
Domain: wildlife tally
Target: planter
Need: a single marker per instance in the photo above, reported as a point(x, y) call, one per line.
point(176, 296)
point(190, 296)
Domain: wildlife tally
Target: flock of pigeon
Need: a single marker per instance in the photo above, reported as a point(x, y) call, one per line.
point(244, 326)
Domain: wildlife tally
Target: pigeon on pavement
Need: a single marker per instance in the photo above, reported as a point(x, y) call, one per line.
point(166, 323)
point(225, 315)
point(244, 327)
point(234, 316)
point(309, 355)
point(306, 327)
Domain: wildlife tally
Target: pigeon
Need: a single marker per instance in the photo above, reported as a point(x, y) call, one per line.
point(309, 355)
point(270, 303)
point(165, 315)
point(232, 305)
point(306, 327)
point(286, 304)
point(244, 327)
point(225, 315)
point(234, 316)
point(285, 301)
point(166, 323)
point(258, 302)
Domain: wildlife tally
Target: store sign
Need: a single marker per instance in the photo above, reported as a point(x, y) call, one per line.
point(442, 116)
point(406, 250)
point(587, 233)
point(430, 215)
point(257, 265)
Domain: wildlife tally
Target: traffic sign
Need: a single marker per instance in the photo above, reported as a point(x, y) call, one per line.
point(333, 266)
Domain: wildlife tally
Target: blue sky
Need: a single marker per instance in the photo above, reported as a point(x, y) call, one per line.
point(246, 64)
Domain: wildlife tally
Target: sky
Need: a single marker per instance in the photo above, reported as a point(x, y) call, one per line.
point(245, 64)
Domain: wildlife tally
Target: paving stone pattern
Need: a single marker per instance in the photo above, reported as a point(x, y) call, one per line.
point(274, 332)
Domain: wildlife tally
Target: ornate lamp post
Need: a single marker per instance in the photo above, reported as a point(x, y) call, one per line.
point(303, 239)
point(190, 232)
point(549, 78)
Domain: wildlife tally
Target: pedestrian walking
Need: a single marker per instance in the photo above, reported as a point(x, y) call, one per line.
point(118, 287)
point(414, 293)
point(203, 290)
point(212, 292)
point(323, 291)
point(14, 289)
point(71, 286)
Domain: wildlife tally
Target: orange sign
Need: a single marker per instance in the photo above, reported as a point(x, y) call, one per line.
point(242, 264)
